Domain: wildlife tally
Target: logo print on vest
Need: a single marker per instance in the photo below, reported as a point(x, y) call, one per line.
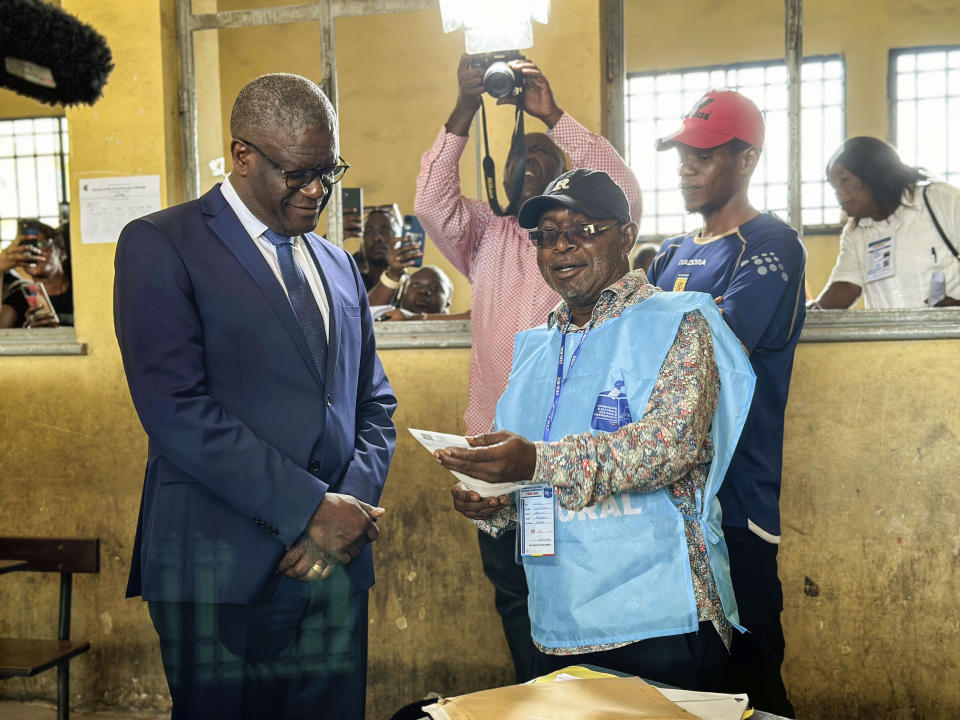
point(611, 411)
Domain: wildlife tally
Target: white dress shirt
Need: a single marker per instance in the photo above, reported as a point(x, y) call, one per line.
point(918, 251)
point(255, 228)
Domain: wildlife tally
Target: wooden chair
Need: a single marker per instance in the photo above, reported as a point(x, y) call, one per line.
point(27, 657)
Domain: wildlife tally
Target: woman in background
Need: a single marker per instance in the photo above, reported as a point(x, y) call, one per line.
point(47, 264)
point(890, 248)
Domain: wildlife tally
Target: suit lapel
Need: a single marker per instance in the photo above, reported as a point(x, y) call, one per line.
point(227, 227)
point(333, 286)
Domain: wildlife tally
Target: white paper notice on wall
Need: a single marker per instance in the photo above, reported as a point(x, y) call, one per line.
point(109, 203)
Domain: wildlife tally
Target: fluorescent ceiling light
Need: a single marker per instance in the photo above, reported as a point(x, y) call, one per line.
point(494, 25)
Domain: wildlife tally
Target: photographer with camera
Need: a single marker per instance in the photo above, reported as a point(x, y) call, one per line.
point(508, 294)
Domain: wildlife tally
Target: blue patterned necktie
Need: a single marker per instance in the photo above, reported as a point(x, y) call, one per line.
point(302, 299)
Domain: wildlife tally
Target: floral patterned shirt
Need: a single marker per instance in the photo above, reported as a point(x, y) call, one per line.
point(668, 447)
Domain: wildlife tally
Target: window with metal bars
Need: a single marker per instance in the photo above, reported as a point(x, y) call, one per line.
point(657, 101)
point(34, 156)
point(924, 89)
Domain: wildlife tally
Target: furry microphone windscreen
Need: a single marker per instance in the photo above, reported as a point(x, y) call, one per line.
point(49, 55)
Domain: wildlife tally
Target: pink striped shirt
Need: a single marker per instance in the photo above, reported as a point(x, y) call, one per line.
point(508, 293)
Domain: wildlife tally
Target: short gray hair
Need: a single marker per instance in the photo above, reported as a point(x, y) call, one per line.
point(280, 101)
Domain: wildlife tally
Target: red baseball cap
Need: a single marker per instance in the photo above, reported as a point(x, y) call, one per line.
point(717, 118)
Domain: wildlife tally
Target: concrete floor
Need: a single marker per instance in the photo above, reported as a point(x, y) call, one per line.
point(48, 711)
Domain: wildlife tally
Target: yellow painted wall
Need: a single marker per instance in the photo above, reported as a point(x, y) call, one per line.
point(869, 502)
point(71, 447)
point(13, 105)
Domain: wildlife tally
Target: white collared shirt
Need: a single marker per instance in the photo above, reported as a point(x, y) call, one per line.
point(918, 251)
point(255, 228)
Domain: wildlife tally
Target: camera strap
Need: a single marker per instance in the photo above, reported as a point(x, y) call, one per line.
point(518, 149)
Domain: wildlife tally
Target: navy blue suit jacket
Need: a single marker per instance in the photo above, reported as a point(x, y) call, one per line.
point(245, 437)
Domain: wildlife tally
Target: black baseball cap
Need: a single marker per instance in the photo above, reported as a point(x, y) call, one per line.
point(591, 192)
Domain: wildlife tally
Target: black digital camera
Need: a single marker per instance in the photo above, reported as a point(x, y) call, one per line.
point(499, 79)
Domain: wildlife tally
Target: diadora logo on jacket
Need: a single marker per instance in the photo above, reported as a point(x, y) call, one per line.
point(693, 261)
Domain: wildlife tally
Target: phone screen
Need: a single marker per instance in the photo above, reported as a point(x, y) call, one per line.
point(29, 227)
point(414, 235)
point(352, 200)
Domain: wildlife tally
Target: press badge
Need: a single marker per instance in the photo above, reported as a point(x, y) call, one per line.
point(537, 530)
point(880, 259)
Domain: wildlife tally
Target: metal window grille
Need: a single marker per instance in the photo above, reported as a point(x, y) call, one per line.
point(924, 90)
point(656, 102)
point(34, 156)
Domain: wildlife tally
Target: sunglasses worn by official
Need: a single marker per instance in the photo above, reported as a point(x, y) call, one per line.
point(296, 179)
point(579, 234)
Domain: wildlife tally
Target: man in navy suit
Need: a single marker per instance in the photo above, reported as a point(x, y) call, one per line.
point(249, 351)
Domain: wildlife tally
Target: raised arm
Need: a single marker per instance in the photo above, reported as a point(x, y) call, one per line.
point(454, 223)
point(586, 149)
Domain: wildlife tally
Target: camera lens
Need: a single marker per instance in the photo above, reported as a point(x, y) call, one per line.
point(499, 80)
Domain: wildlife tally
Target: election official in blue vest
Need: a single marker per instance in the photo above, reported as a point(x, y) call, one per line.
point(618, 423)
point(249, 352)
point(754, 263)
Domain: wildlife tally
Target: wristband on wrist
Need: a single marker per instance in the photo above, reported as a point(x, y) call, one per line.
point(389, 282)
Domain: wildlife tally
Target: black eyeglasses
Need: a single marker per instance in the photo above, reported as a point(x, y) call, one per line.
point(579, 234)
point(296, 179)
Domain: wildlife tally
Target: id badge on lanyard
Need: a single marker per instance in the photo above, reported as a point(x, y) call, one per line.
point(536, 504)
point(537, 521)
point(880, 259)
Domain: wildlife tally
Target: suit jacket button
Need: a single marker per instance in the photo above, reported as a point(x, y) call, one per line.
point(329, 400)
point(313, 466)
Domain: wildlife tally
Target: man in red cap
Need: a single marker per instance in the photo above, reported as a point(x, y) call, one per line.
point(753, 263)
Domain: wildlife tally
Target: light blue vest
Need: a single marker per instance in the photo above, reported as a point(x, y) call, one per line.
point(621, 571)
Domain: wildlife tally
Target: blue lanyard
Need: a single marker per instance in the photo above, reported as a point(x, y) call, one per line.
point(561, 380)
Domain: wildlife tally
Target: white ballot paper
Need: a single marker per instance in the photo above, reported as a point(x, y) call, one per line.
point(437, 441)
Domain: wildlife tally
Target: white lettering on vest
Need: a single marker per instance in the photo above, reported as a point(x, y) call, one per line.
point(627, 510)
point(609, 507)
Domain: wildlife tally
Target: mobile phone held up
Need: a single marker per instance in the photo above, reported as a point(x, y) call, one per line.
point(352, 199)
point(30, 228)
point(37, 299)
point(352, 203)
point(414, 235)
